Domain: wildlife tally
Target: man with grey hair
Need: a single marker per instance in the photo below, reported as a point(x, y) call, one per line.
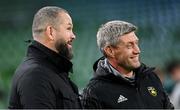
point(120, 80)
point(42, 79)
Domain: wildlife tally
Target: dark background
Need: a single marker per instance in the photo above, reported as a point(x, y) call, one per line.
point(157, 21)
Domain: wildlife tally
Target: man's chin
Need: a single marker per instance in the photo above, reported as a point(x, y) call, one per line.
point(70, 54)
point(137, 65)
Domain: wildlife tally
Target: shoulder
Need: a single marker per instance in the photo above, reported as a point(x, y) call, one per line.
point(33, 68)
point(95, 87)
point(36, 74)
point(32, 73)
point(92, 85)
point(153, 76)
point(147, 72)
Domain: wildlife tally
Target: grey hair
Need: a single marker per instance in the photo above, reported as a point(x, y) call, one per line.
point(109, 33)
point(45, 16)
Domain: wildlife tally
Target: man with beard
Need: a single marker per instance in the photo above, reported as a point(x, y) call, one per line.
point(41, 80)
point(120, 80)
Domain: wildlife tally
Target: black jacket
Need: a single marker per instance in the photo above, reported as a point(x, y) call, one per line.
point(41, 81)
point(105, 90)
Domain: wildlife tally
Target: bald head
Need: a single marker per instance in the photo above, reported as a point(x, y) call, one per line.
point(48, 15)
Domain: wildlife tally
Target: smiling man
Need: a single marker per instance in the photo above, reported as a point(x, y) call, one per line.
point(120, 80)
point(41, 80)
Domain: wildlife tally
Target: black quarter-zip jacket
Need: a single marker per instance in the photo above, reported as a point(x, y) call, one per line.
point(105, 90)
point(41, 81)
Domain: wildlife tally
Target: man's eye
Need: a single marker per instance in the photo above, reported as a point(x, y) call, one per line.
point(129, 46)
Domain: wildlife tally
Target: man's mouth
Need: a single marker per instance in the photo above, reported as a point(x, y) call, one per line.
point(135, 58)
point(69, 43)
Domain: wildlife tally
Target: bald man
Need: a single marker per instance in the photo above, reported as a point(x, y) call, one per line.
point(41, 80)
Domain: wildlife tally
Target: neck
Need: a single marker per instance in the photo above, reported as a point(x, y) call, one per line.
point(123, 71)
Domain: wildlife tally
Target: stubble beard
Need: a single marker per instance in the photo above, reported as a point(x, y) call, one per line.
point(129, 65)
point(63, 50)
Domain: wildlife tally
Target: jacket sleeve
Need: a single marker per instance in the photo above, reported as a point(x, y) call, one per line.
point(166, 102)
point(35, 90)
point(89, 100)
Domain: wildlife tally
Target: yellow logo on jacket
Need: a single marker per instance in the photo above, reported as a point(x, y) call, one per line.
point(152, 91)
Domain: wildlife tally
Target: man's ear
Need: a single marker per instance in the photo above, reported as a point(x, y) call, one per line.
point(50, 32)
point(109, 51)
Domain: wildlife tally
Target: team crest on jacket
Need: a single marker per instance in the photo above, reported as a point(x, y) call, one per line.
point(152, 91)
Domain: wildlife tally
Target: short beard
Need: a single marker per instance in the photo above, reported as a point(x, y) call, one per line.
point(63, 49)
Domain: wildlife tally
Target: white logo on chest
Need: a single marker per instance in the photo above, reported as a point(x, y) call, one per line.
point(121, 99)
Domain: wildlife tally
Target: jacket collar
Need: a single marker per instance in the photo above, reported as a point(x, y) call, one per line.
point(39, 51)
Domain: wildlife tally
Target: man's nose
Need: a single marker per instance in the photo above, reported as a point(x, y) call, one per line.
point(73, 36)
point(137, 49)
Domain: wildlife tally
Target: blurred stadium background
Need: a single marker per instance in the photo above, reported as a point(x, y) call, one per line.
point(158, 22)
